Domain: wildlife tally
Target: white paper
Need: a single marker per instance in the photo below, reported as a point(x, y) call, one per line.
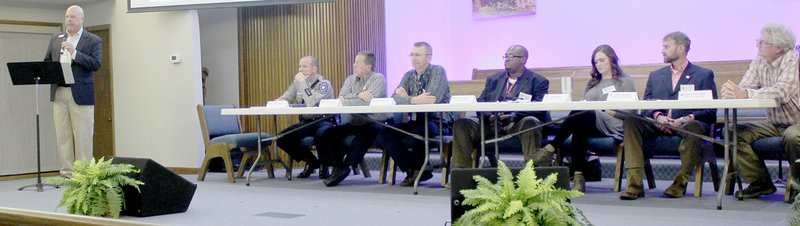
point(382, 102)
point(622, 96)
point(695, 95)
point(330, 103)
point(463, 99)
point(557, 98)
point(278, 104)
point(524, 97)
point(66, 68)
point(689, 87)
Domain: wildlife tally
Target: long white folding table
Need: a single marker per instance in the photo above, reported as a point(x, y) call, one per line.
point(729, 106)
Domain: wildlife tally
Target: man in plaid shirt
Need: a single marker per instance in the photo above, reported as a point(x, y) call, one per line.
point(772, 75)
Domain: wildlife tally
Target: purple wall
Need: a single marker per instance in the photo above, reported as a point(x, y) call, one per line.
point(564, 32)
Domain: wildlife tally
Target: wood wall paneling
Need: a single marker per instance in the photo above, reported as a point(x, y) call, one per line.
point(272, 39)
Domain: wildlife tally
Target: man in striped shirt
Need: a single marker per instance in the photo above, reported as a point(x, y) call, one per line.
point(772, 75)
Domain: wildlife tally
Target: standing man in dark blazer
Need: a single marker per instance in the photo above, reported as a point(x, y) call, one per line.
point(664, 84)
point(506, 86)
point(73, 104)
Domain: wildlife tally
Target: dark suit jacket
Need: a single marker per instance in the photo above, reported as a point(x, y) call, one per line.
point(659, 87)
point(529, 82)
point(89, 54)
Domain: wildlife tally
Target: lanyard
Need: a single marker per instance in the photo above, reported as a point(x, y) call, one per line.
point(510, 87)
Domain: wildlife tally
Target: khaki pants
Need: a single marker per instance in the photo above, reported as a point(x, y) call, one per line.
point(753, 168)
point(74, 129)
point(636, 129)
point(466, 133)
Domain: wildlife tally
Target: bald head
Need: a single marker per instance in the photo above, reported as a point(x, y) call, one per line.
point(73, 19)
point(515, 59)
point(521, 50)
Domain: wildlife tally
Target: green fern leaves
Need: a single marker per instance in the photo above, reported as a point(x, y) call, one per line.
point(528, 201)
point(95, 188)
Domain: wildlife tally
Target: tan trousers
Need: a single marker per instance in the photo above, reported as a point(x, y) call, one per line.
point(74, 129)
point(466, 134)
point(752, 167)
point(636, 129)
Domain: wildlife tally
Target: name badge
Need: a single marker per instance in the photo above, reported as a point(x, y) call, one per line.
point(524, 97)
point(622, 96)
point(609, 89)
point(557, 98)
point(463, 99)
point(695, 95)
point(382, 102)
point(330, 103)
point(308, 92)
point(689, 87)
point(278, 104)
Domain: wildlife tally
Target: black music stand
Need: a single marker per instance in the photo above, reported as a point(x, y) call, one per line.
point(36, 73)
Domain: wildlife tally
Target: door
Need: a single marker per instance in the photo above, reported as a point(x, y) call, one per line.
point(104, 97)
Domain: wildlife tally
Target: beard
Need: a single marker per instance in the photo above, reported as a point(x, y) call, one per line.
point(669, 59)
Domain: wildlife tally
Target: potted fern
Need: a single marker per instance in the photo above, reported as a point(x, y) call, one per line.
point(95, 188)
point(794, 215)
point(527, 201)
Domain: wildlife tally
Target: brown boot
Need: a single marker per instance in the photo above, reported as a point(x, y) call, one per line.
point(635, 189)
point(678, 187)
point(579, 182)
point(541, 156)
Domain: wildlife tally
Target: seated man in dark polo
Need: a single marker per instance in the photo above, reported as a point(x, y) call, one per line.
point(425, 84)
point(664, 84)
point(506, 86)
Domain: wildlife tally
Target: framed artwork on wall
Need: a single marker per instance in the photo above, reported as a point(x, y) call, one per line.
point(501, 8)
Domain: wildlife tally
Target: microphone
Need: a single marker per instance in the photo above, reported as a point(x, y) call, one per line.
point(63, 37)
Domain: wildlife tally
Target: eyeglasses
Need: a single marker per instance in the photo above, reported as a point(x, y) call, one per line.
point(761, 43)
point(507, 57)
point(418, 55)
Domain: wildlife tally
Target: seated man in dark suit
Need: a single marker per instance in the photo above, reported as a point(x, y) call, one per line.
point(506, 86)
point(664, 84)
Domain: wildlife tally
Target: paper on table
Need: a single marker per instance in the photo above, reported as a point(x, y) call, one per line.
point(557, 98)
point(66, 68)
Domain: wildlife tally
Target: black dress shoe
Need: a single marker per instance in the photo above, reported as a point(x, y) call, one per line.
point(338, 175)
point(310, 168)
point(323, 172)
point(409, 181)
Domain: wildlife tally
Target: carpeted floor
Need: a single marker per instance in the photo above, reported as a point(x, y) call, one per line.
point(361, 201)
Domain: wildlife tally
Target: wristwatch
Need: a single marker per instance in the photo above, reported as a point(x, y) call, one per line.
point(684, 120)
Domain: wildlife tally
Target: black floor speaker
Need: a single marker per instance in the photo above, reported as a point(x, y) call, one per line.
point(163, 192)
point(461, 179)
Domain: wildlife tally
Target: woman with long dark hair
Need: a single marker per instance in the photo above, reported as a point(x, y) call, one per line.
point(607, 77)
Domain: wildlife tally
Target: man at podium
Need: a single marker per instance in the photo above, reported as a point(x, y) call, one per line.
point(73, 104)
